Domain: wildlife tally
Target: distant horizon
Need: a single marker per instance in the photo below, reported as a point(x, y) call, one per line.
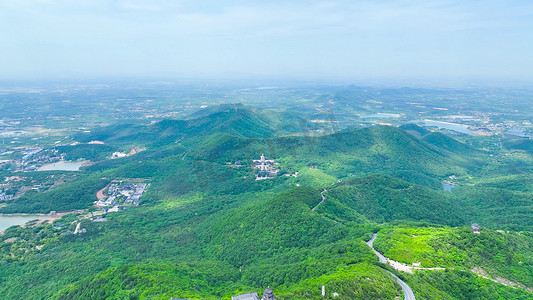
point(429, 83)
point(442, 42)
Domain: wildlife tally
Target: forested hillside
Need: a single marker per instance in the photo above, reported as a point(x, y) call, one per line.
point(206, 228)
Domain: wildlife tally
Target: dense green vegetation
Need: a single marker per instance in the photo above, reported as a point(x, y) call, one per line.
point(520, 144)
point(358, 281)
point(497, 207)
point(199, 160)
point(207, 229)
point(77, 194)
point(385, 199)
point(235, 120)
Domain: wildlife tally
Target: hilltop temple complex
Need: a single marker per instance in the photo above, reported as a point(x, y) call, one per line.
point(265, 168)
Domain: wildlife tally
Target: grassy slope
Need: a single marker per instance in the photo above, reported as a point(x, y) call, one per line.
point(508, 255)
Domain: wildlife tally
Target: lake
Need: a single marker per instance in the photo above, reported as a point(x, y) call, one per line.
point(519, 132)
point(447, 125)
point(7, 221)
point(63, 166)
point(448, 186)
point(380, 115)
point(13, 133)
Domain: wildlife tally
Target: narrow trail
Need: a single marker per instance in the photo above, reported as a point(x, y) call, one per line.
point(407, 291)
point(323, 199)
point(481, 273)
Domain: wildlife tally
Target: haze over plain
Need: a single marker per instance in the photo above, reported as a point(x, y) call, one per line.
point(444, 41)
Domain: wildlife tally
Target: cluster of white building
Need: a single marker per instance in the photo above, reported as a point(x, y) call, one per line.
point(265, 168)
point(119, 195)
point(5, 197)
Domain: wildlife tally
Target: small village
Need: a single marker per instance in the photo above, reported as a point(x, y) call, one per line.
point(15, 186)
point(120, 195)
point(29, 159)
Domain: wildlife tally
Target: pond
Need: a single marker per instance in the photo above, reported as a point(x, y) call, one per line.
point(380, 115)
point(519, 132)
point(448, 186)
point(63, 166)
point(7, 221)
point(447, 125)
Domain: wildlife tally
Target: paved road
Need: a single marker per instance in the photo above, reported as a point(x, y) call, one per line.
point(323, 199)
point(382, 259)
point(183, 158)
point(407, 291)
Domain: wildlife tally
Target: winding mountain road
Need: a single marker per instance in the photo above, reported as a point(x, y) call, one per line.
point(407, 291)
point(323, 199)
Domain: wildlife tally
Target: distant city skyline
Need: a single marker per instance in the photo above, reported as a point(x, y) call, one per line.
point(437, 41)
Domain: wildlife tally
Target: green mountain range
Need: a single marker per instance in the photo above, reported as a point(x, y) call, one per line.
point(207, 229)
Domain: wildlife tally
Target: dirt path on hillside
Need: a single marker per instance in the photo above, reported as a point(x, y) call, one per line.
point(480, 272)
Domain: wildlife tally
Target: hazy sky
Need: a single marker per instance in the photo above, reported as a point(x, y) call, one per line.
point(484, 39)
